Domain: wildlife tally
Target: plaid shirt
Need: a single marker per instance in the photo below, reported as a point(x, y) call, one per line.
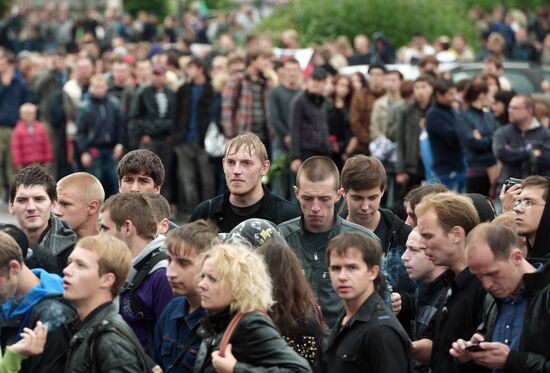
point(237, 105)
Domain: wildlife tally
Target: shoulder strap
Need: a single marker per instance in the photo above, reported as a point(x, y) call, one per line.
point(143, 268)
point(229, 332)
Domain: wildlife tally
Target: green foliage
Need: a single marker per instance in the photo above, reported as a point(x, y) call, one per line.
point(317, 20)
point(5, 6)
point(158, 7)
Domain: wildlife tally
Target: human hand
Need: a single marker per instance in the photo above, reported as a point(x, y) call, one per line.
point(86, 159)
point(117, 151)
point(493, 355)
point(224, 364)
point(287, 141)
point(402, 178)
point(459, 351)
point(508, 197)
point(32, 340)
point(395, 303)
point(477, 134)
point(295, 165)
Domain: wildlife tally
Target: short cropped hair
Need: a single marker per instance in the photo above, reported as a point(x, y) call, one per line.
point(251, 143)
point(87, 185)
point(537, 182)
point(198, 235)
point(34, 174)
point(500, 239)
point(370, 249)
point(242, 272)
point(135, 208)
point(142, 160)
point(318, 168)
point(362, 172)
point(451, 209)
point(9, 250)
point(114, 257)
point(159, 204)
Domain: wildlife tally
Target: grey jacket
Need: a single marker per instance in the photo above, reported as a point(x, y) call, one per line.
point(55, 246)
point(315, 262)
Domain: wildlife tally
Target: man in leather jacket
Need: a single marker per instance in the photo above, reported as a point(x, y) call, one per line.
point(513, 335)
point(103, 342)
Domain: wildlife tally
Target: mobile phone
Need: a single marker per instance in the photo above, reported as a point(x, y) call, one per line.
point(474, 347)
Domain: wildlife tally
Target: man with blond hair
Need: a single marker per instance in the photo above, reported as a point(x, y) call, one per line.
point(103, 342)
point(444, 221)
point(245, 164)
point(79, 199)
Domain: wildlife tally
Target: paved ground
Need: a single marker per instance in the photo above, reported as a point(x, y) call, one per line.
point(5, 217)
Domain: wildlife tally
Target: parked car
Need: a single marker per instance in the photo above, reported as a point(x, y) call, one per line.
point(524, 77)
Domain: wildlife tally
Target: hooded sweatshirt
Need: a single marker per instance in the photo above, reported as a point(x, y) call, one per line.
point(154, 294)
point(540, 252)
point(42, 303)
point(54, 247)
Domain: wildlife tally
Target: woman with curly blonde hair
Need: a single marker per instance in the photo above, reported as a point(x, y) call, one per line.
point(234, 282)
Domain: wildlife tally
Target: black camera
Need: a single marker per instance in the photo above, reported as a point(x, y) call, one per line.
point(510, 182)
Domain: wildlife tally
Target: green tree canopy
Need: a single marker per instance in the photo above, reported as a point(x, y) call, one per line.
point(398, 20)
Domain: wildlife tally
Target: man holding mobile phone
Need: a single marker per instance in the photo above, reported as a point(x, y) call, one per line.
point(513, 336)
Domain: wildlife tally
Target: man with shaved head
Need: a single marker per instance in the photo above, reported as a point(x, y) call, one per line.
point(79, 199)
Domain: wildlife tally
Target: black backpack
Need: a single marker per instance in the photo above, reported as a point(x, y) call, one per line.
point(143, 268)
point(145, 362)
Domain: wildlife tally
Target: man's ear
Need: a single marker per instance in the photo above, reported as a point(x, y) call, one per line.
point(93, 207)
point(339, 193)
point(265, 167)
point(374, 271)
point(458, 234)
point(296, 192)
point(127, 228)
point(107, 280)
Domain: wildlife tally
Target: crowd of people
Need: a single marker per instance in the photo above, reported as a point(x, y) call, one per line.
point(184, 208)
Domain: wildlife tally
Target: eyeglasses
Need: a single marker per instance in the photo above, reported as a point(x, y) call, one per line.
point(526, 203)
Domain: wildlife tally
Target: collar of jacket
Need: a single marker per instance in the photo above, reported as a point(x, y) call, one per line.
point(336, 225)
point(536, 281)
point(459, 281)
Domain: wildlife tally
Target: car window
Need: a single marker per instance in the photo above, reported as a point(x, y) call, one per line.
point(519, 82)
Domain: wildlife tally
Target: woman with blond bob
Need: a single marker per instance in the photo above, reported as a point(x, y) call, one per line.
point(234, 280)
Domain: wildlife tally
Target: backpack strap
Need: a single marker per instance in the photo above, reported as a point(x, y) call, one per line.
point(143, 268)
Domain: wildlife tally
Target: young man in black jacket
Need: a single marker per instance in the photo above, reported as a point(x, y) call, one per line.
point(513, 336)
point(102, 342)
point(364, 183)
point(367, 337)
point(244, 165)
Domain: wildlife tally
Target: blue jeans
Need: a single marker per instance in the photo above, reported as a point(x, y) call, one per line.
point(104, 168)
point(455, 180)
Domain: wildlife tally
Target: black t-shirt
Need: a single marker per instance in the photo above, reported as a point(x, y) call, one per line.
point(236, 215)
